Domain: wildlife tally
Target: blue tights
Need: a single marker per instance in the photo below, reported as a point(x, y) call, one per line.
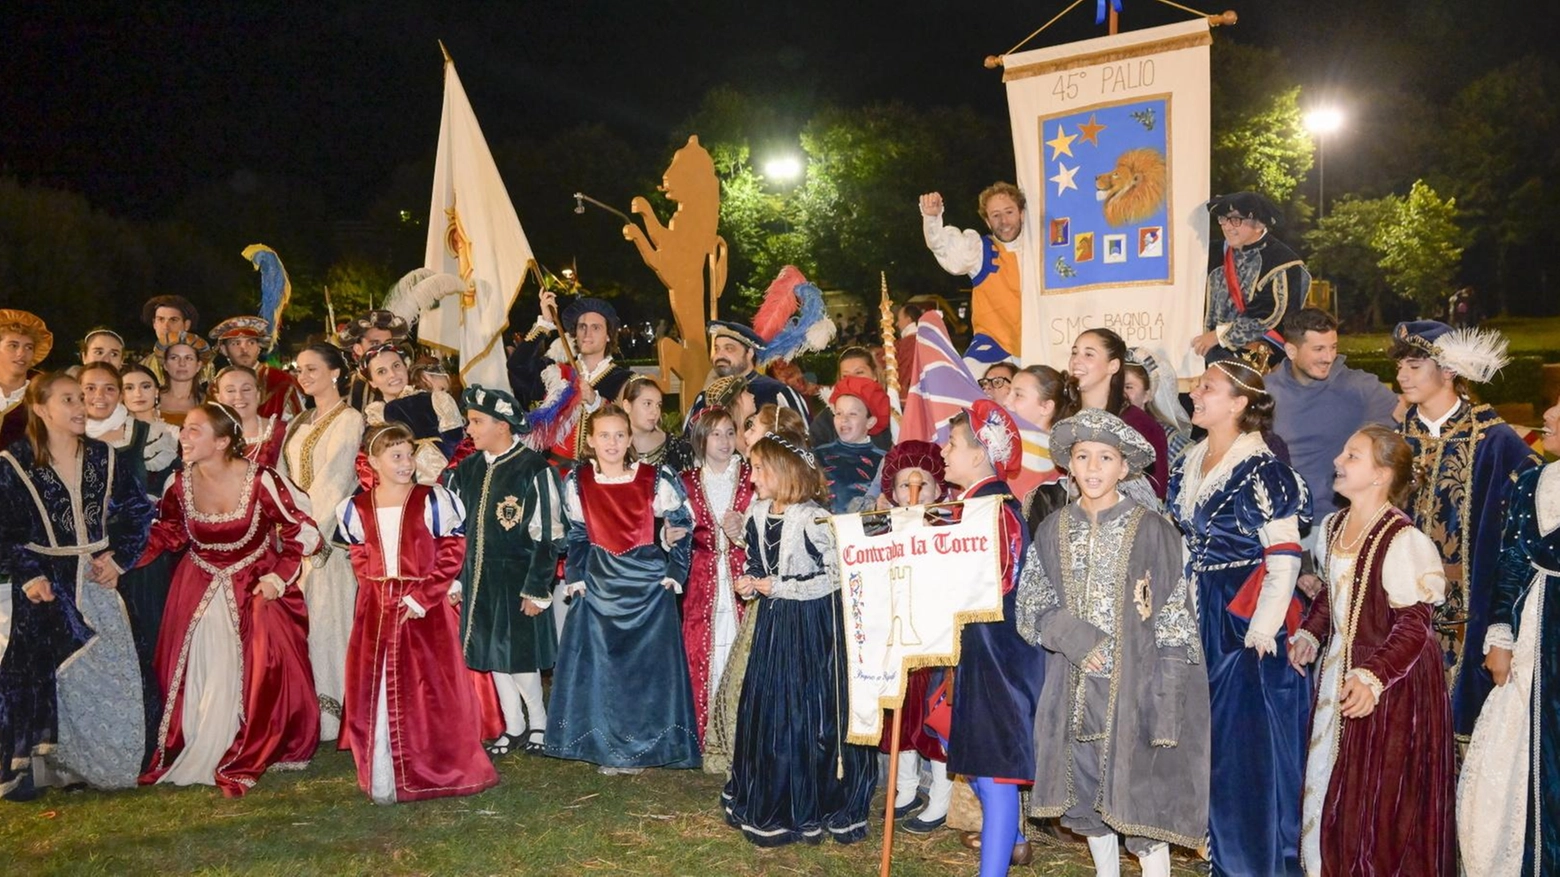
point(1001, 829)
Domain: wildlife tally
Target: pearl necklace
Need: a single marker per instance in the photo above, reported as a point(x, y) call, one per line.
point(1339, 546)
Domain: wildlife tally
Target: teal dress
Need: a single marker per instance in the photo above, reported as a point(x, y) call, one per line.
point(621, 695)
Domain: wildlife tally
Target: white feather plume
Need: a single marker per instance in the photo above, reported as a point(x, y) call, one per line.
point(420, 290)
point(1476, 354)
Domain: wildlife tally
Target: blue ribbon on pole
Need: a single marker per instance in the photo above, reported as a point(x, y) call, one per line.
point(1099, 9)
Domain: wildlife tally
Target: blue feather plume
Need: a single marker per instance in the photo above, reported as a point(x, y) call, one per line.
point(809, 330)
point(275, 286)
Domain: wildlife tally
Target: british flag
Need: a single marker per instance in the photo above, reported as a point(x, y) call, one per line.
point(946, 388)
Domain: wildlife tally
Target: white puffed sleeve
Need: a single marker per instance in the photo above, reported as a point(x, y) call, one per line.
point(1412, 572)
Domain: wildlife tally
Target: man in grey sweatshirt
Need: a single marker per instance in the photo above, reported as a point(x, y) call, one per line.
point(1319, 402)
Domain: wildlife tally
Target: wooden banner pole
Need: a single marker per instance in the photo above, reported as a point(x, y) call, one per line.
point(893, 786)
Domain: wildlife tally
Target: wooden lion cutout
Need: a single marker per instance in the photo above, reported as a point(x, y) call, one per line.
point(679, 253)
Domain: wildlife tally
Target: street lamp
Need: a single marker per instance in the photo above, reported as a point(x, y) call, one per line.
point(1322, 122)
point(783, 169)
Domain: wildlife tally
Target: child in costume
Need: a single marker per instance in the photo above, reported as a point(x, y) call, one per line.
point(912, 475)
point(409, 715)
point(793, 776)
point(1382, 755)
point(719, 490)
point(998, 677)
point(621, 698)
point(1126, 716)
point(514, 533)
point(851, 461)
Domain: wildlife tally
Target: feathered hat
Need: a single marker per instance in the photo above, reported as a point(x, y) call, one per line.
point(419, 291)
point(1474, 354)
point(995, 430)
point(792, 320)
point(378, 318)
point(275, 290)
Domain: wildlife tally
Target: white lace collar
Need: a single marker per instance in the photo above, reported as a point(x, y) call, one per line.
point(1547, 498)
point(1195, 487)
point(733, 467)
point(627, 476)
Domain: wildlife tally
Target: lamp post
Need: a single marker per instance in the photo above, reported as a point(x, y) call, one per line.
point(1322, 122)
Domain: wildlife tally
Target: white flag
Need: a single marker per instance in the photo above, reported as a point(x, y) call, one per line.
point(473, 232)
point(906, 594)
point(1111, 139)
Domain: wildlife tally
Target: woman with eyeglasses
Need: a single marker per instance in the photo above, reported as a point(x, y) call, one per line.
point(997, 382)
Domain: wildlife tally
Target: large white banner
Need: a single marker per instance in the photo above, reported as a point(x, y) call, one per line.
point(906, 593)
point(473, 233)
point(1111, 137)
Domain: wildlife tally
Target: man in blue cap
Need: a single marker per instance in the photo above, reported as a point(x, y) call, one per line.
point(734, 350)
point(1258, 283)
point(1466, 458)
point(544, 381)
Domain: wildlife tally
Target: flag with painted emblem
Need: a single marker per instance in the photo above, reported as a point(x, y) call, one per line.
point(946, 388)
point(473, 233)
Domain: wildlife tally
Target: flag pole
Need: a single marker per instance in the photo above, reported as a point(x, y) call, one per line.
point(893, 785)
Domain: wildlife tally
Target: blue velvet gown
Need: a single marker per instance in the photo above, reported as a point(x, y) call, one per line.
point(793, 776)
point(1527, 555)
point(621, 695)
point(70, 674)
point(1260, 709)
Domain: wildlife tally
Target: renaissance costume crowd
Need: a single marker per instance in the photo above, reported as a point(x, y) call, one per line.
point(208, 573)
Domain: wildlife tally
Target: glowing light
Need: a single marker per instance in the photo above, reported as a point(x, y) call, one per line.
point(1324, 120)
point(783, 169)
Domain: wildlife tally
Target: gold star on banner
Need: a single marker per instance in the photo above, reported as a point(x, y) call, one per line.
point(1064, 179)
point(1061, 144)
point(1090, 131)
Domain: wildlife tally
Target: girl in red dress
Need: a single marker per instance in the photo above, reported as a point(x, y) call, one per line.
point(719, 489)
point(410, 716)
point(232, 656)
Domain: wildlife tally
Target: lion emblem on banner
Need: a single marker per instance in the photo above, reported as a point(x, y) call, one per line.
point(1134, 189)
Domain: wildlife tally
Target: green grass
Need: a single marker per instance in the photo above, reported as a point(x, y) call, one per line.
point(1534, 336)
point(546, 817)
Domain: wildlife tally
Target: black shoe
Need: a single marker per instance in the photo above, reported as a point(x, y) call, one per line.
point(924, 826)
point(23, 790)
point(902, 812)
point(533, 744)
point(503, 745)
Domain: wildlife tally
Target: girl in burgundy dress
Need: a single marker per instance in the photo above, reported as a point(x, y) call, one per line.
point(410, 716)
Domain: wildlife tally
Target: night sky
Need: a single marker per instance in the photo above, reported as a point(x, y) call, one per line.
point(132, 107)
